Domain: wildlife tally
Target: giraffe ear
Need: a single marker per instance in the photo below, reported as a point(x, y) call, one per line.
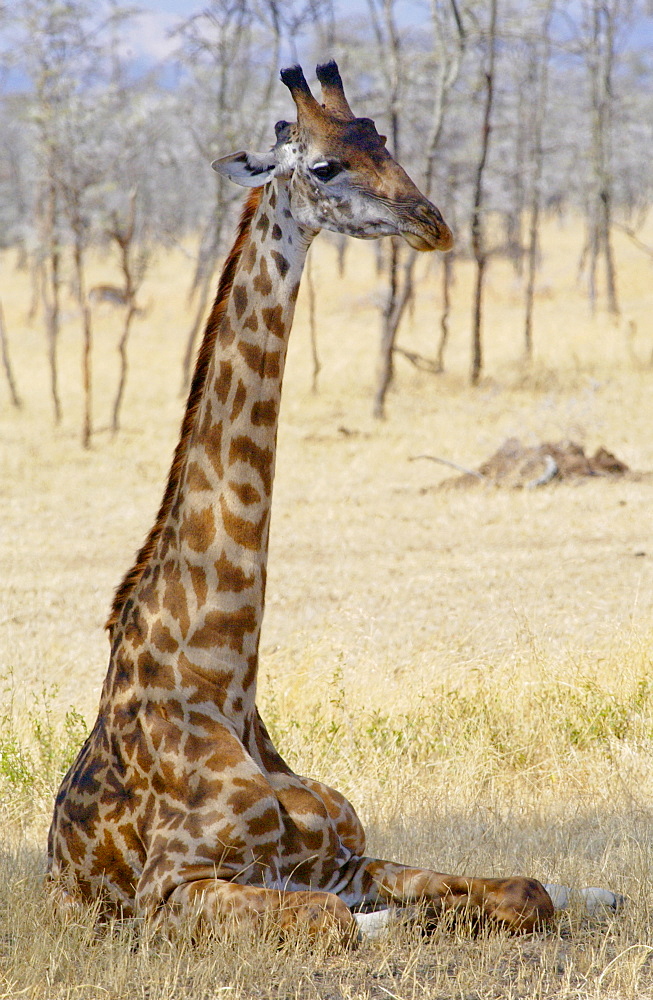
point(247, 169)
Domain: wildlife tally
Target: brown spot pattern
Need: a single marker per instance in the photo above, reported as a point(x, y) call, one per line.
point(152, 674)
point(225, 628)
point(197, 529)
point(223, 381)
point(175, 600)
point(196, 478)
point(243, 449)
point(282, 264)
point(239, 296)
point(246, 493)
point(250, 258)
point(200, 586)
point(227, 334)
point(272, 365)
point(163, 639)
point(239, 400)
point(272, 317)
point(262, 283)
point(249, 534)
point(230, 577)
point(268, 822)
point(253, 355)
point(213, 445)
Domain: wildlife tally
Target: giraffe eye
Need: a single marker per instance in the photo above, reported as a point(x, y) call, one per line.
point(325, 170)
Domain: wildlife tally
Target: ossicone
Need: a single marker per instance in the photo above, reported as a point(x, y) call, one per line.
point(308, 109)
point(333, 91)
point(295, 81)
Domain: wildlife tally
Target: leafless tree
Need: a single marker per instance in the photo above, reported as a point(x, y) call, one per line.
point(6, 363)
point(43, 31)
point(77, 173)
point(134, 256)
point(232, 52)
point(600, 25)
point(511, 151)
point(61, 55)
point(478, 235)
point(438, 75)
point(214, 47)
point(449, 42)
point(538, 77)
point(312, 327)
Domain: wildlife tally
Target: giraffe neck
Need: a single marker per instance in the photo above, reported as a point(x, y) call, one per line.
point(213, 546)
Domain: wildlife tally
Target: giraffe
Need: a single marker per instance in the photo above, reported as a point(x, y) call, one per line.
point(179, 807)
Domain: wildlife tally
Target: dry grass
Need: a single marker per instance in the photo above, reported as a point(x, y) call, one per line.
point(472, 669)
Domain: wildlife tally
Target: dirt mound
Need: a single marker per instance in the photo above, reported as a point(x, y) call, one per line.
point(516, 466)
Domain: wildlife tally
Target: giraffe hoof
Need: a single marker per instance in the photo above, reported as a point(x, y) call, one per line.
point(594, 901)
point(598, 901)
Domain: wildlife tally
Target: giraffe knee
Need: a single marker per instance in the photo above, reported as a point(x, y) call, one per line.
point(523, 905)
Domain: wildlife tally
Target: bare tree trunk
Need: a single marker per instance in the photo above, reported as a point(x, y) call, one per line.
point(541, 66)
point(51, 292)
point(448, 62)
point(533, 234)
point(401, 282)
point(87, 336)
point(400, 294)
point(477, 320)
point(600, 59)
point(610, 269)
point(447, 275)
point(379, 257)
point(200, 311)
point(478, 234)
point(310, 284)
point(87, 422)
point(341, 244)
point(389, 48)
point(124, 366)
point(87, 342)
point(51, 308)
point(37, 277)
point(4, 346)
point(133, 272)
point(388, 331)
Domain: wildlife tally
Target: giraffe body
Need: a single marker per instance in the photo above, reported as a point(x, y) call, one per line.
point(178, 803)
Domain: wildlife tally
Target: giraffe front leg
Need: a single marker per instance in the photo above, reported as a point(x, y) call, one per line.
point(214, 902)
point(518, 904)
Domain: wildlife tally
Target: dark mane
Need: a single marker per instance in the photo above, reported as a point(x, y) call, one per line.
point(131, 578)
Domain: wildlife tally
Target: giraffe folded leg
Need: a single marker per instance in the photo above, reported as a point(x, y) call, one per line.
point(215, 901)
point(517, 904)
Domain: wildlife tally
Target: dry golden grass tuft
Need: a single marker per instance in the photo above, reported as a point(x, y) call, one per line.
point(472, 669)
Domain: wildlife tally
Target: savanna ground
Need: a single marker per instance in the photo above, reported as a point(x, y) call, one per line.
point(473, 668)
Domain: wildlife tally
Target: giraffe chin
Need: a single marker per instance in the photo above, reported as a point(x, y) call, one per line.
point(441, 241)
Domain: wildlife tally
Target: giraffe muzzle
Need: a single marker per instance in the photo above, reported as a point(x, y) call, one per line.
point(425, 229)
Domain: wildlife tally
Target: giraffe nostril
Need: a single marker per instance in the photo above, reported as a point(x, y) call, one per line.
point(429, 213)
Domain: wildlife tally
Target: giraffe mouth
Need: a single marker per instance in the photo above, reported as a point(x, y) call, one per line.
point(440, 238)
point(426, 230)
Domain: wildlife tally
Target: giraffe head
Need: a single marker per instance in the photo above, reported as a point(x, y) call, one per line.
point(340, 175)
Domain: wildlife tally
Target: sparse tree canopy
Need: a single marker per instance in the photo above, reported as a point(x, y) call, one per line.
point(85, 129)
